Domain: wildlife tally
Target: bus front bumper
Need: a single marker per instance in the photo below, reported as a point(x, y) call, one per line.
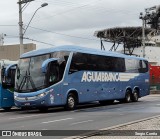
point(42, 102)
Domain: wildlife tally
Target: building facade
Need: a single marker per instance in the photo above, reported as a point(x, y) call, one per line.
point(12, 52)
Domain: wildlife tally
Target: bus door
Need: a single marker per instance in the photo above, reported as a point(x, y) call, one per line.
point(52, 69)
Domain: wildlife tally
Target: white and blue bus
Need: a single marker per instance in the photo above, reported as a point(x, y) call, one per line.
point(70, 75)
point(7, 83)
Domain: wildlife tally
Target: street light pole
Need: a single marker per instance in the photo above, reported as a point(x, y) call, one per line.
point(21, 34)
point(143, 36)
point(43, 5)
point(143, 17)
point(20, 28)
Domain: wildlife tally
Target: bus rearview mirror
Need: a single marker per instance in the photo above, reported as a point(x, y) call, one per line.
point(7, 70)
point(8, 76)
point(46, 62)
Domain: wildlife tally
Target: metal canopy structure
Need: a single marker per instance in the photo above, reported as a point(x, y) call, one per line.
point(129, 37)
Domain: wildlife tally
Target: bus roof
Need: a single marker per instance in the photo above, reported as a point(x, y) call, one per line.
point(74, 48)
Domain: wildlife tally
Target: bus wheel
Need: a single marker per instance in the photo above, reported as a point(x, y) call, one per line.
point(135, 96)
point(7, 108)
point(127, 98)
point(71, 102)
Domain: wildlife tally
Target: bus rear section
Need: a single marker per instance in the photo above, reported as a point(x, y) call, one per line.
point(71, 76)
point(7, 84)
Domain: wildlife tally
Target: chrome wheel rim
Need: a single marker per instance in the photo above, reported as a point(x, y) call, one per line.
point(128, 97)
point(135, 96)
point(71, 102)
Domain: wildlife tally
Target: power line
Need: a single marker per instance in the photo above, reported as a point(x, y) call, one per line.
point(66, 3)
point(54, 33)
point(63, 34)
point(8, 25)
point(70, 10)
point(25, 6)
point(13, 36)
point(73, 9)
point(93, 9)
point(38, 41)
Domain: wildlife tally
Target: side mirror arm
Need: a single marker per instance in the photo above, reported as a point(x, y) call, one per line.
point(8, 68)
point(46, 62)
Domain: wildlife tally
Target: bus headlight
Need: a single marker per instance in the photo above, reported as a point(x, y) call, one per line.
point(15, 97)
point(42, 94)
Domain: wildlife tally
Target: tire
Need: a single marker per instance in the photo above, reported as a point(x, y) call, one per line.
point(128, 96)
point(71, 102)
point(135, 96)
point(7, 108)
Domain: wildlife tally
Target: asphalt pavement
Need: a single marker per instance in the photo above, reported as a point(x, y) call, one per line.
point(86, 118)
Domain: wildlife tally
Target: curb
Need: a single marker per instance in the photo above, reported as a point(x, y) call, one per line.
point(89, 134)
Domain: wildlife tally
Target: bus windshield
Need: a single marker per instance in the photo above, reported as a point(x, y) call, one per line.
point(29, 76)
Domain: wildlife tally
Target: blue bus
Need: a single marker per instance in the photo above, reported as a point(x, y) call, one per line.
point(70, 75)
point(7, 83)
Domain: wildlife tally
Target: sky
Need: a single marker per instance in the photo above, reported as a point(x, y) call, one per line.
point(69, 22)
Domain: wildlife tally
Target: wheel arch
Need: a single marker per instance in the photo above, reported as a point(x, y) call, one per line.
point(128, 88)
point(137, 89)
point(74, 92)
point(128, 94)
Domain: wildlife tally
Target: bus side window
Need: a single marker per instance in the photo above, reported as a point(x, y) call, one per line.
point(73, 68)
point(132, 66)
point(62, 66)
point(78, 63)
point(53, 73)
point(143, 66)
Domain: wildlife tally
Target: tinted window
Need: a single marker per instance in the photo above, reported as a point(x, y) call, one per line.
point(143, 66)
point(132, 65)
point(54, 75)
point(136, 66)
point(63, 58)
point(82, 61)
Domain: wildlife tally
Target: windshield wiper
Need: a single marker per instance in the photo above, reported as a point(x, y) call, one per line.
point(26, 79)
point(29, 79)
point(22, 82)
